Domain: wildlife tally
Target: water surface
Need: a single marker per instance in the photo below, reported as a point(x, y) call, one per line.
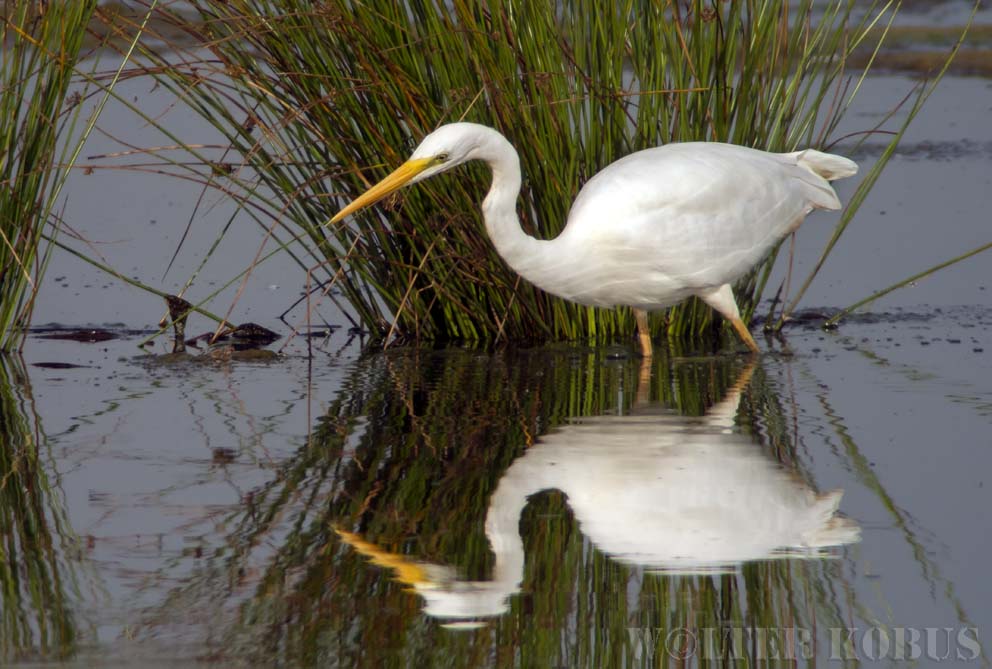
point(558, 506)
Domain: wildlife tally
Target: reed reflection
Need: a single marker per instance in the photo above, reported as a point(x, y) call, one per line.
point(665, 492)
point(420, 476)
point(38, 572)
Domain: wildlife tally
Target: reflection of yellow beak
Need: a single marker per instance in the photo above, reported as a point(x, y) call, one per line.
point(400, 177)
point(407, 571)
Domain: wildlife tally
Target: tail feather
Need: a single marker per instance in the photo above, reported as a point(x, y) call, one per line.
point(818, 170)
point(826, 528)
point(826, 165)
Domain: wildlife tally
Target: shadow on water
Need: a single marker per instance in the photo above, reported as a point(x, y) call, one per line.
point(555, 505)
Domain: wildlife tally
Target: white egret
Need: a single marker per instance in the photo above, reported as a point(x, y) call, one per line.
point(649, 230)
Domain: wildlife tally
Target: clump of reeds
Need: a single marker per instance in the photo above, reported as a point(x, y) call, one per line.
point(318, 100)
point(41, 46)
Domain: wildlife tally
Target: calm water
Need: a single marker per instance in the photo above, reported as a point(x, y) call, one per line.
point(554, 507)
point(558, 506)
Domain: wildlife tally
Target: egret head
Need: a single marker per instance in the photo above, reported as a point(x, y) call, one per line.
point(448, 146)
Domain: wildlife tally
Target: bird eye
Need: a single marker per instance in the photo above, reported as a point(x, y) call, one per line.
point(442, 157)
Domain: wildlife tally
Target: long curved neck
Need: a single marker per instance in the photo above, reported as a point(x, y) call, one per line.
point(532, 258)
point(529, 474)
point(503, 532)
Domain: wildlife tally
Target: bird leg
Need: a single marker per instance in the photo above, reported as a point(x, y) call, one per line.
point(722, 299)
point(745, 334)
point(643, 332)
point(643, 382)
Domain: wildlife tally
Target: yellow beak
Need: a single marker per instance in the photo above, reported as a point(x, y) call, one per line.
point(407, 571)
point(400, 177)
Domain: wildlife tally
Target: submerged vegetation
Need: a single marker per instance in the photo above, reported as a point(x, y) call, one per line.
point(318, 100)
point(40, 52)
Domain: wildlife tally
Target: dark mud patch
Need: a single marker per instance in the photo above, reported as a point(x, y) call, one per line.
point(243, 337)
point(213, 356)
point(922, 50)
point(59, 365)
point(84, 334)
point(967, 63)
point(960, 328)
point(81, 335)
point(933, 36)
point(929, 151)
point(818, 316)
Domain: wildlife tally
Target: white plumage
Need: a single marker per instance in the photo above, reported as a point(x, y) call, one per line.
point(649, 230)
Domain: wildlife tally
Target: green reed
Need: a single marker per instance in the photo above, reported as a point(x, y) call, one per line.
point(37, 115)
point(318, 100)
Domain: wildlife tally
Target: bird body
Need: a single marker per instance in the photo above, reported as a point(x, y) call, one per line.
point(655, 227)
point(649, 230)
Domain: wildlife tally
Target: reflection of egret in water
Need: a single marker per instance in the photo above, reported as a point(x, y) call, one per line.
point(665, 492)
